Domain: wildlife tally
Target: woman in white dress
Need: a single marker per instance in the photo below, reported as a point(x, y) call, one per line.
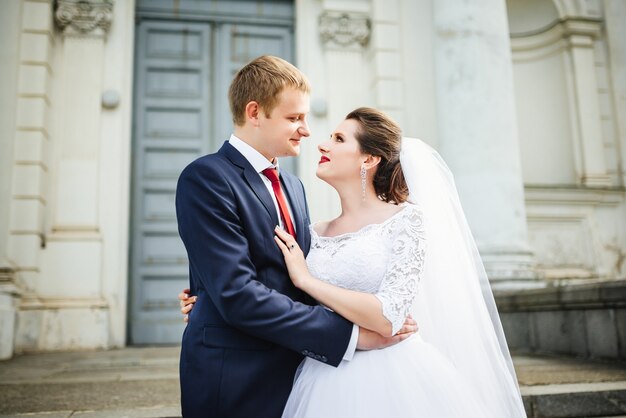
point(400, 246)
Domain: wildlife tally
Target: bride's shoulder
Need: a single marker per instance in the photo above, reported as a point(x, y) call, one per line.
point(320, 227)
point(410, 216)
point(411, 210)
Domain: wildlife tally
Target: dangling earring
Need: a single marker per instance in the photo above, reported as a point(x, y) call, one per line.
point(363, 181)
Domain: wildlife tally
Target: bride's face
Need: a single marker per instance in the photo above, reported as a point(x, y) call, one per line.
point(341, 157)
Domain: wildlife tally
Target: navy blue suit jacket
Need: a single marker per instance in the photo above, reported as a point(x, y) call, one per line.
point(250, 327)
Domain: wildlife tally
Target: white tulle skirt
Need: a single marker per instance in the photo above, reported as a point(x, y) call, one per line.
point(410, 379)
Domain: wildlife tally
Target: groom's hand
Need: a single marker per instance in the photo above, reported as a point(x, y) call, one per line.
point(370, 340)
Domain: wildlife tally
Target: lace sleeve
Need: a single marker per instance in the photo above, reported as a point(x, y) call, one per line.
point(404, 270)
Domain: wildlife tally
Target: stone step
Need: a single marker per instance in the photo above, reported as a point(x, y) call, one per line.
point(143, 382)
point(562, 387)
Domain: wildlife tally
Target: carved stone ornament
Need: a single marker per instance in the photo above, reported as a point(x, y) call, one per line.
point(345, 29)
point(84, 16)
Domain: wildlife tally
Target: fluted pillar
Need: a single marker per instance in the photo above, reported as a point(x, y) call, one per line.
point(478, 130)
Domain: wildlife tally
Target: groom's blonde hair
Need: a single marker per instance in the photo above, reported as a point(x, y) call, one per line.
point(262, 80)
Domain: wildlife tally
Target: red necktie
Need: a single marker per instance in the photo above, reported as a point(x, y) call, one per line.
point(272, 174)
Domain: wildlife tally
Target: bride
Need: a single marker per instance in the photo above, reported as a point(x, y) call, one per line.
point(401, 246)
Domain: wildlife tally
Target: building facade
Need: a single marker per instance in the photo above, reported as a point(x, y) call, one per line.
point(104, 102)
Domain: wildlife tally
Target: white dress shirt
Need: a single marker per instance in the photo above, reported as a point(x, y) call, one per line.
point(260, 163)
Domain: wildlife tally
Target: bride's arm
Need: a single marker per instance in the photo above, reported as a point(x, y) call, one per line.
point(384, 312)
point(360, 308)
point(363, 309)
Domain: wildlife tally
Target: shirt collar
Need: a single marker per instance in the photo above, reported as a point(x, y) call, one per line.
point(254, 157)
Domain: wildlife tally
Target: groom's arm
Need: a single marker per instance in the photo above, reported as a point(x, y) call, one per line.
point(219, 257)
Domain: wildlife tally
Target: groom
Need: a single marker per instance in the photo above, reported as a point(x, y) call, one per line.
point(250, 326)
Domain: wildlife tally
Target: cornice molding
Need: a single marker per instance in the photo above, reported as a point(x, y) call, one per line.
point(555, 37)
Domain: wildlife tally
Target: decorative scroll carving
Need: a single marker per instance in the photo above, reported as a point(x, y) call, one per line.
point(84, 16)
point(345, 29)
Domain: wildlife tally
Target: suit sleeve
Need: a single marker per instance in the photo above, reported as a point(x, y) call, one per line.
point(219, 258)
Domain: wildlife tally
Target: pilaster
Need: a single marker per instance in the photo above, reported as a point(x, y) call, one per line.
point(66, 309)
point(386, 52)
point(615, 20)
point(580, 35)
point(32, 140)
point(10, 31)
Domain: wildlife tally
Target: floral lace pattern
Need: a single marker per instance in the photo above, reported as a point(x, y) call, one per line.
point(386, 260)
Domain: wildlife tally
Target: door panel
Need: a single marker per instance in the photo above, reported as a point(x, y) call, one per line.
point(171, 129)
point(182, 74)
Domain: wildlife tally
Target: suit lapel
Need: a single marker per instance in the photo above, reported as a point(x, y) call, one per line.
point(252, 178)
point(290, 187)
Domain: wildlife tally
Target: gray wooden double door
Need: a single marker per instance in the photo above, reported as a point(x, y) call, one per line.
point(183, 67)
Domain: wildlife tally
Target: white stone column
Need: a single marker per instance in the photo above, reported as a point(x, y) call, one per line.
point(478, 130)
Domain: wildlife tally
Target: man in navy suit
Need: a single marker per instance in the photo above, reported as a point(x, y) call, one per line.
point(250, 326)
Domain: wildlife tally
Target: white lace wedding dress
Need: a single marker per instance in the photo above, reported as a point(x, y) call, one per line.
point(410, 379)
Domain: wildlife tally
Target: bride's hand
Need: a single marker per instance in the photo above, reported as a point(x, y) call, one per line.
point(370, 340)
point(294, 258)
point(186, 303)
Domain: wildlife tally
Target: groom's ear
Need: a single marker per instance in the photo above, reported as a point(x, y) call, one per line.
point(252, 111)
point(371, 161)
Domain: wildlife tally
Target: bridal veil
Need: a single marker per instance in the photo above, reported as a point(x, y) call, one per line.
point(455, 308)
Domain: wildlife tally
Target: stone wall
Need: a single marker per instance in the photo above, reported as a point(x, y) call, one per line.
point(585, 320)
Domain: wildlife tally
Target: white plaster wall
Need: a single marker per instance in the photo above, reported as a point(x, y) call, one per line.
point(577, 233)
point(544, 120)
point(541, 73)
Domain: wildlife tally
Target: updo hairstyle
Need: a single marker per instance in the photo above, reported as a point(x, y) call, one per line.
point(379, 135)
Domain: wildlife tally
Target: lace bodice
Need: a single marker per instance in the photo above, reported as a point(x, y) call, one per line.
point(383, 259)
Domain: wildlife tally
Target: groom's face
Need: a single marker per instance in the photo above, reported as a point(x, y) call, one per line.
point(287, 124)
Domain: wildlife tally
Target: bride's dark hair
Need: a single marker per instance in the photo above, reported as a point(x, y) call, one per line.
point(379, 135)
